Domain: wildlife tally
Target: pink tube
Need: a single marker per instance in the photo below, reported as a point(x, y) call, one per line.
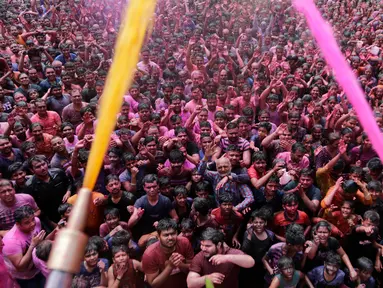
point(344, 75)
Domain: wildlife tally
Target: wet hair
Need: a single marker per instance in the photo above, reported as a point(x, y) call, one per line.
point(127, 156)
point(110, 178)
point(273, 179)
point(259, 156)
point(364, 264)
point(213, 235)
point(66, 124)
point(149, 178)
point(232, 147)
point(14, 167)
point(265, 125)
point(289, 198)
point(163, 181)
point(122, 237)
point(123, 248)
point(346, 130)
point(307, 172)
point(23, 212)
point(220, 115)
point(322, 223)
point(201, 205)
point(298, 147)
point(90, 247)
point(374, 185)
point(43, 250)
point(333, 258)
point(180, 190)
point(143, 106)
point(231, 125)
point(259, 214)
point(112, 212)
point(285, 262)
point(339, 165)
point(179, 130)
point(375, 164)
point(373, 216)
point(202, 186)
point(98, 241)
point(295, 234)
point(187, 224)
point(176, 156)
point(166, 224)
point(63, 208)
point(26, 145)
point(225, 198)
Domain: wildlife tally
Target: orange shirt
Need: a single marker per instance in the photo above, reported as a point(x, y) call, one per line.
point(280, 222)
point(340, 196)
point(95, 214)
point(43, 147)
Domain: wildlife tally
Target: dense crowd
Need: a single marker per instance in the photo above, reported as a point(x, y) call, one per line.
point(236, 156)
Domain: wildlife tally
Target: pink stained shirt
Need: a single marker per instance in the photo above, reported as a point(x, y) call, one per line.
point(192, 105)
point(286, 156)
point(211, 114)
point(133, 103)
point(40, 264)
point(17, 242)
point(50, 124)
point(70, 145)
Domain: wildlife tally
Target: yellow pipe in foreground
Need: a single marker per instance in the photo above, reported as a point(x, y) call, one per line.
point(69, 247)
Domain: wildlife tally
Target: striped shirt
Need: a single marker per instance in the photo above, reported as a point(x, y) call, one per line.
point(242, 144)
point(239, 191)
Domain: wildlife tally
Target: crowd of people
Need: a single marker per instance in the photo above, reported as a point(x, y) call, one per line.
point(236, 157)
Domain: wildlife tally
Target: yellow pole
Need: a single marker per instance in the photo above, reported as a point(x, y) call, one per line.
point(68, 249)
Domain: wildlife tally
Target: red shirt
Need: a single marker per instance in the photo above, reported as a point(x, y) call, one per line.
point(344, 225)
point(281, 222)
point(228, 225)
point(203, 266)
point(154, 259)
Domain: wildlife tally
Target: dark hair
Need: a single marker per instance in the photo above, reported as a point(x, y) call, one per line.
point(201, 205)
point(259, 214)
point(66, 124)
point(121, 238)
point(273, 179)
point(231, 125)
point(259, 156)
point(294, 234)
point(98, 241)
point(110, 178)
point(213, 235)
point(14, 167)
point(285, 262)
point(289, 198)
point(187, 223)
point(364, 264)
point(149, 178)
point(202, 186)
point(179, 130)
point(225, 198)
point(127, 156)
point(166, 224)
point(38, 159)
point(116, 249)
point(375, 164)
point(307, 172)
point(163, 181)
point(298, 147)
point(180, 190)
point(112, 211)
point(23, 212)
point(43, 250)
point(90, 247)
point(374, 185)
point(322, 223)
point(63, 208)
point(176, 156)
point(350, 187)
point(373, 216)
point(333, 258)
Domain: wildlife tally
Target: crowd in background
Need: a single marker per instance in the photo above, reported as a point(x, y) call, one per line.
point(236, 156)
